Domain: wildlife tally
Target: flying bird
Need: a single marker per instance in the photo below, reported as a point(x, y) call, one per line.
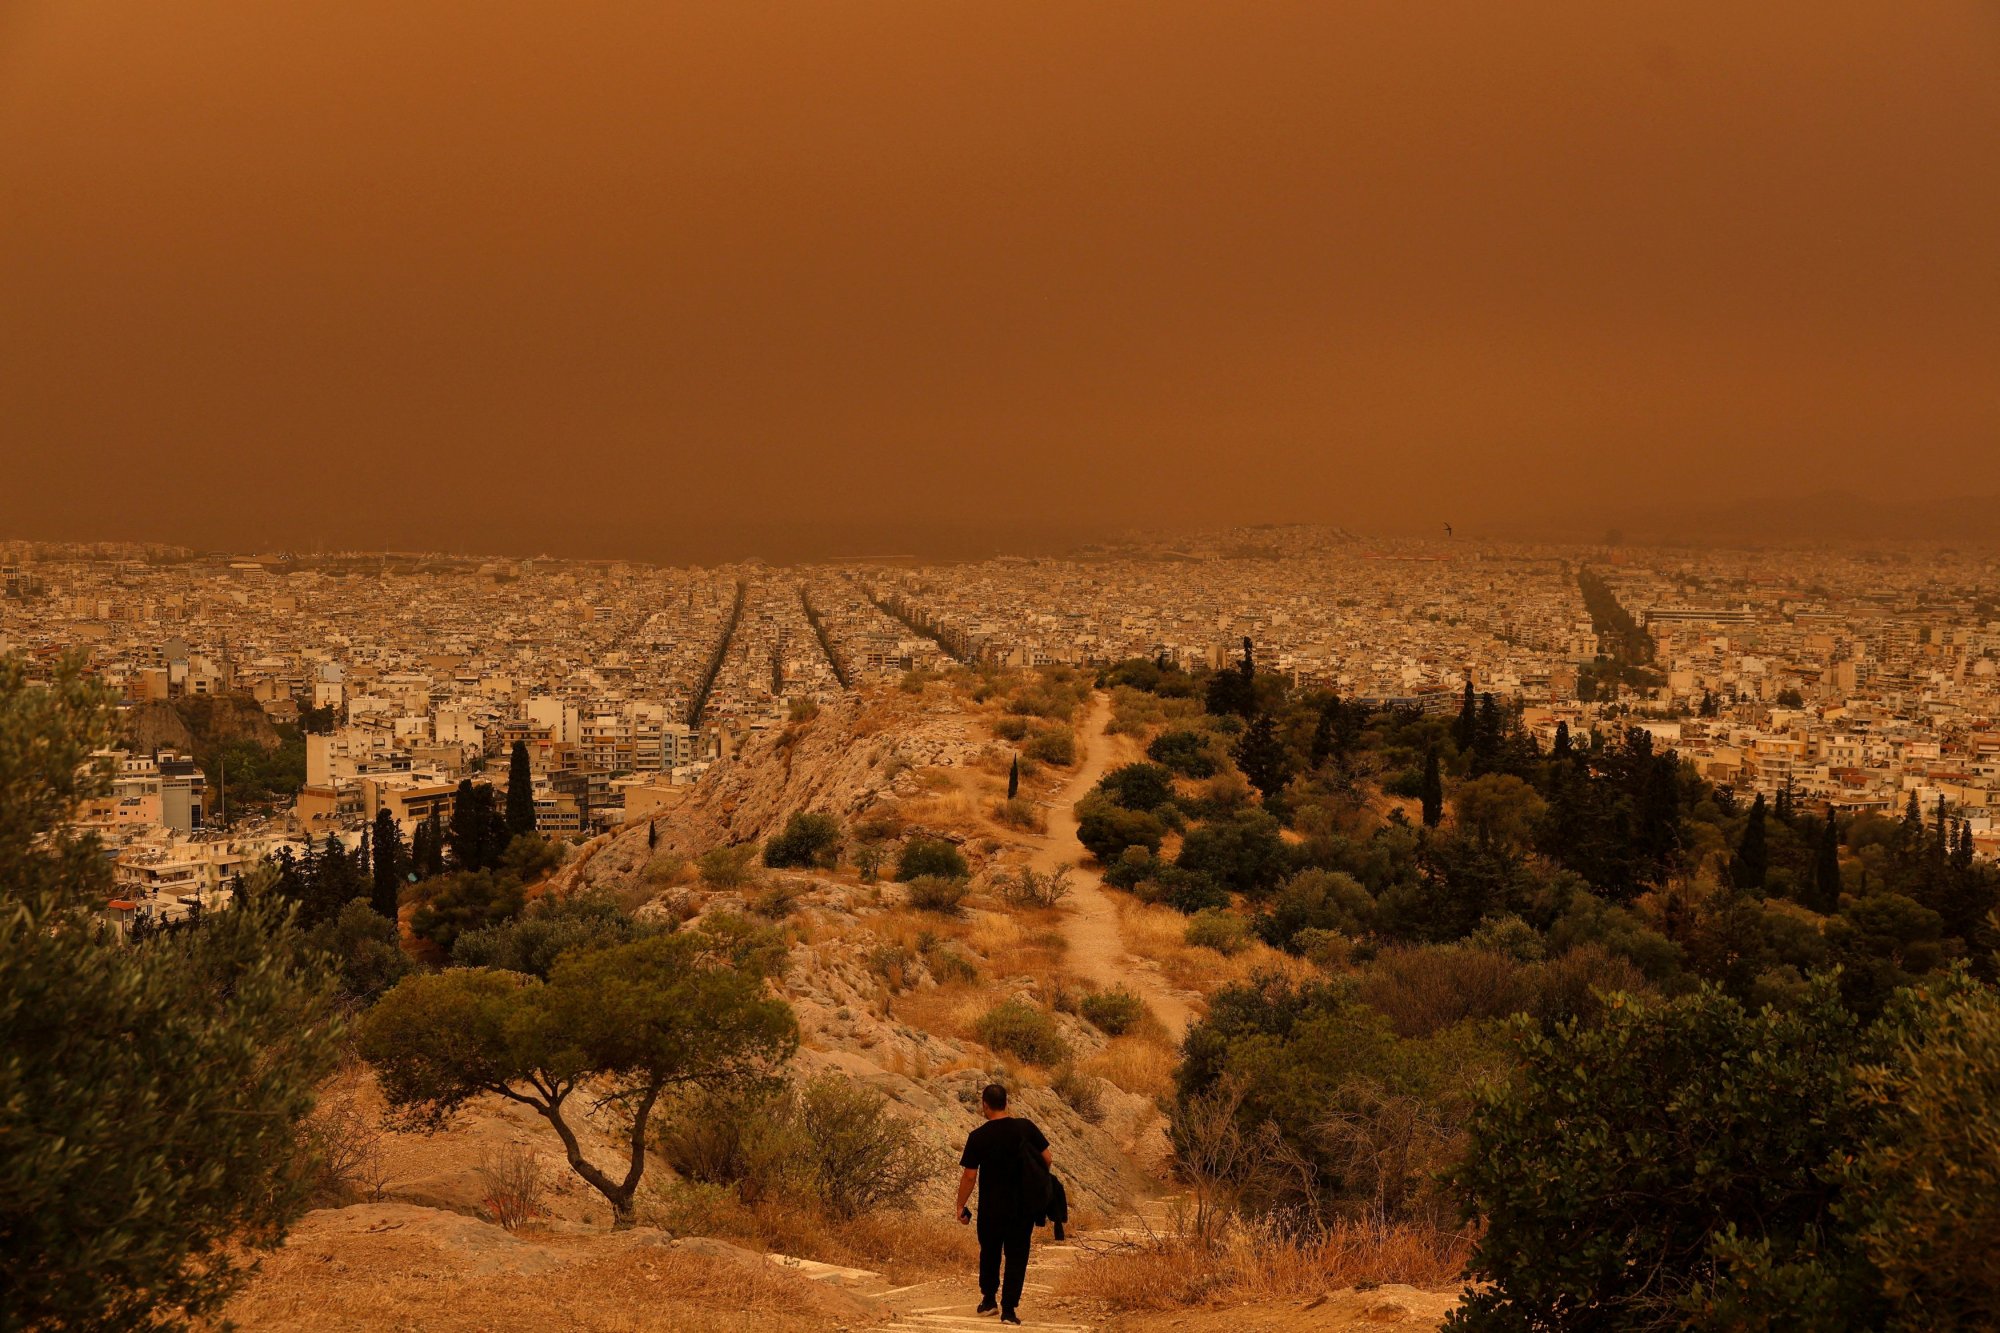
point(1447, 529)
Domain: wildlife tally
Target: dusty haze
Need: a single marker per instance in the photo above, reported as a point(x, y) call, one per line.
point(691, 281)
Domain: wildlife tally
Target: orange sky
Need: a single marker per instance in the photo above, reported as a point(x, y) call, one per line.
point(696, 280)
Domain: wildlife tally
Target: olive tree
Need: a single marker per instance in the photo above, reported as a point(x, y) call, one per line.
point(631, 1022)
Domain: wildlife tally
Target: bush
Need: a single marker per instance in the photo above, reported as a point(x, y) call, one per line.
point(1113, 1012)
point(1243, 853)
point(935, 893)
point(931, 857)
point(549, 928)
point(1106, 829)
point(776, 902)
point(1929, 1180)
point(1020, 813)
point(1143, 787)
point(367, 949)
point(514, 1186)
point(1018, 1028)
point(1219, 929)
point(1316, 900)
point(807, 840)
point(1345, 1114)
point(854, 1155)
point(1052, 745)
point(1011, 728)
point(464, 901)
point(1133, 866)
point(726, 867)
point(1028, 887)
point(1187, 892)
point(1681, 1139)
point(1079, 1092)
point(830, 1139)
point(1188, 753)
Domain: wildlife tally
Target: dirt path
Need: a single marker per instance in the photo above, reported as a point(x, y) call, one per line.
point(1096, 946)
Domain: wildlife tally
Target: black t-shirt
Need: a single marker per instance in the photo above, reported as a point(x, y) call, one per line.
point(999, 1150)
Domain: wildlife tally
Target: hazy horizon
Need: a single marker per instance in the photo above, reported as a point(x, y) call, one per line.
point(692, 281)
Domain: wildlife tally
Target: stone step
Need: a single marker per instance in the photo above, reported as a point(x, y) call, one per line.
point(814, 1271)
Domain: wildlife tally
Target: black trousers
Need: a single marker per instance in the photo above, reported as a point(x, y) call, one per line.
point(1004, 1239)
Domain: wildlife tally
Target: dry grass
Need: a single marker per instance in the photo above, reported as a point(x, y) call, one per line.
point(1139, 1064)
point(1257, 1264)
point(384, 1282)
point(1160, 933)
point(948, 811)
point(903, 1246)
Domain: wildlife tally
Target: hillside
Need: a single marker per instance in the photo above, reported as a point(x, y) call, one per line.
point(888, 996)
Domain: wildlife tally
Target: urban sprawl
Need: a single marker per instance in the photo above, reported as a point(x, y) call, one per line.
point(1854, 679)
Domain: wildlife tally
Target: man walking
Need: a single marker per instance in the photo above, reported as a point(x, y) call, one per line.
point(1009, 1159)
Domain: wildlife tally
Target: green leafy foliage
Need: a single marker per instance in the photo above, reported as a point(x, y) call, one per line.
point(1113, 1012)
point(688, 1009)
point(922, 857)
point(151, 1095)
point(807, 839)
point(1018, 1028)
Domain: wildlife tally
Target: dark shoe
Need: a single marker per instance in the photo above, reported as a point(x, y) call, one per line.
point(1009, 1317)
point(987, 1306)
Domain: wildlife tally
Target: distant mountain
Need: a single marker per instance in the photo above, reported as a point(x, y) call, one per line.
point(1828, 516)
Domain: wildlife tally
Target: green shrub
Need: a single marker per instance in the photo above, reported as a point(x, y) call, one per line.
point(931, 857)
point(1244, 853)
point(1115, 1012)
point(1018, 1028)
point(1052, 745)
point(462, 901)
point(1685, 1139)
point(1188, 753)
point(1928, 1183)
point(807, 840)
point(1106, 828)
point(935, 893)
point(549, 928)
point(1218, 929)
point(1316, 900)
point(1138, 786)
point(1011, 728)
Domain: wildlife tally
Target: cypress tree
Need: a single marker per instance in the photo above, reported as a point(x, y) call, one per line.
point(1325, 733)
point(1261, 756)
point(1560, 750)
point(1467, 725)
point(1014, 778)
point(520, 792)
point(431, 863)
point(1753, 858)
point(1826, 868)
point(652, 835)
point(387, 871)
point(1432, 792)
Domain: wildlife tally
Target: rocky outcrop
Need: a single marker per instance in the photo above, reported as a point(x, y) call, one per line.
point(196, 725)
point(859, 751)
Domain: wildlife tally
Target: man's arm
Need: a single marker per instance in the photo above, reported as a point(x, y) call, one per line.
point(966, 1180)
